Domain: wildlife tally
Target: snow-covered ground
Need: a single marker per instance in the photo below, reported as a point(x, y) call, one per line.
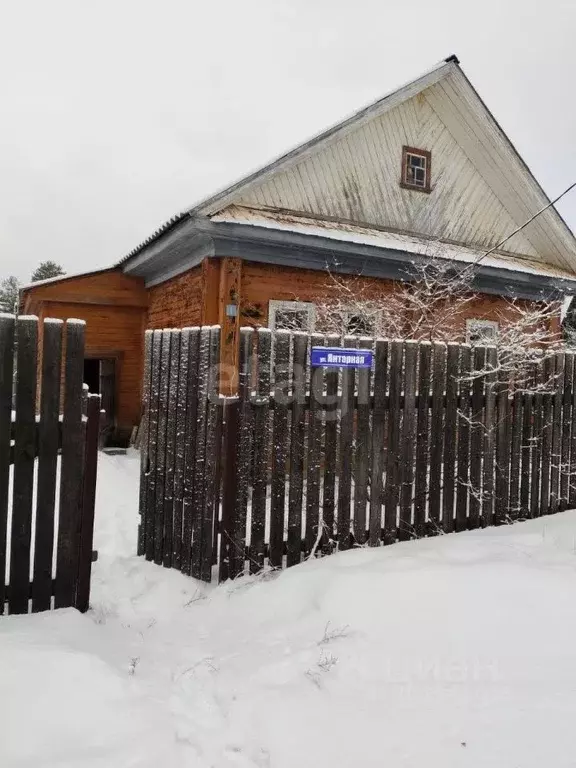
point(453, 651)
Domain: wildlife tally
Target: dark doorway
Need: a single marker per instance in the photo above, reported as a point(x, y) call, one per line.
point(108, 391)
point(92, 375)
point(100, 376)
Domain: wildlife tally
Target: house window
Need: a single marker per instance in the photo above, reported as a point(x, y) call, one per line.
point(416, 164)
point(481, 331)
point(359, 324)
point(291, 315)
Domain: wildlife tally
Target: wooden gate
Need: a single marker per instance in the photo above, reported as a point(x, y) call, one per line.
point(48, 460)
point(434, 438)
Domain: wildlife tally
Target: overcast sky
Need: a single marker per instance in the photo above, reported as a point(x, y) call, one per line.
point(116, 115)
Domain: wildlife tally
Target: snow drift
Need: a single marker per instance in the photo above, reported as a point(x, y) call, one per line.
point(453, 651)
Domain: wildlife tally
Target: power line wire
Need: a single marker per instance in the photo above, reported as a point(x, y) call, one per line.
point(530, 220)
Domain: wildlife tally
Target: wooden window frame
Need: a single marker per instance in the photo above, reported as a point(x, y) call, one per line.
point(423, 153)
point(275, 305)
point(348, 314)
point(472, 322)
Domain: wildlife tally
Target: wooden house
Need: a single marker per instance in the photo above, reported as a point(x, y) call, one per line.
point(426, 167)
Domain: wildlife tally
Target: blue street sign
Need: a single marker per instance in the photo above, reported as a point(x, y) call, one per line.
point(338, 357)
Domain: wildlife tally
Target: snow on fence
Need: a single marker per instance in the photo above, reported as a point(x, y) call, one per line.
point(48, 452)
point(434, 438)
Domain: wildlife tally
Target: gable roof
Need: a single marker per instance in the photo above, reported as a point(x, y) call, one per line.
point(393, 99)
point(471, 124)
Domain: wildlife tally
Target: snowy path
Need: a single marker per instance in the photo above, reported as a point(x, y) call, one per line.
point(454, 651)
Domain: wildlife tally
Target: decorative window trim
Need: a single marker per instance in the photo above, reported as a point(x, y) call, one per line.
point(275, 306)
point(404, 183)
point(473, 323)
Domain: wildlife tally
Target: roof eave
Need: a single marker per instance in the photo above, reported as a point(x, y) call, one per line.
point(163, 230)
point(300, 251)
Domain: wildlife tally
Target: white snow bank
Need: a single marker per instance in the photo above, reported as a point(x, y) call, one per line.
point(454, 651)
point(116, 524)
point(62, 706)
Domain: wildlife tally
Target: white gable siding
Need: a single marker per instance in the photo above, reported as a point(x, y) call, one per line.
point(356, 177)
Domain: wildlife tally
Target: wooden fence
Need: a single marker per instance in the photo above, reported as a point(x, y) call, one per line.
point(48, 459)
point(433, 438)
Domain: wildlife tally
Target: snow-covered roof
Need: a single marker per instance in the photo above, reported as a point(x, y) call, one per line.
point(378, 238)
point(67, 276)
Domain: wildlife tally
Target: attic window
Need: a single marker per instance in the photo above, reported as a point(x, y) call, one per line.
point(416, 165)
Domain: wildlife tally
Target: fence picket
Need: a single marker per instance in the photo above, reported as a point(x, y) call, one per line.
point(163, 392)
point(346, 450)
point(7, 325)
point(24, 441)
point(547, 413)
point(489, 437)
point(71, 467)
point(261, 421)
point(362, 457)
point(526, 454)
point(572, 474)
point(170, 453)
point(190, 448)
point(463, 472)
point(314, 455)
point(450, 436)
point(279, 446)
point(218, 461)
point(536, 454)
point(243, 462)
point(228, 564)
point(476, 437)
point(330, 451)
point(392, 490)
point(179, 446)
point(515, 449)
point(566, 429)
point(197, 511)
point(296, 477)
point(212, 448)
point(48, 439)
point(406, 474)
point(556, 434)
point(436, 434)
point(91, 432)
point(378, 436)
point(144, 430)
point(423, 436)
point(152, 441)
